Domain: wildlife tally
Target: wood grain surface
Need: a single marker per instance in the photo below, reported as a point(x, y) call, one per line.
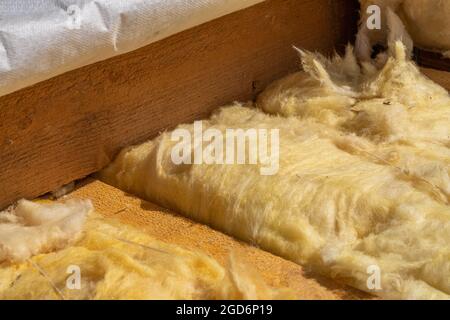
point(69, 126)
point(172, 228)
point(441, 77)
point(431, 59)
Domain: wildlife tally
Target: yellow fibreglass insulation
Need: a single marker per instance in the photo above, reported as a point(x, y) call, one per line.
point(363, 176)
point(115, 261)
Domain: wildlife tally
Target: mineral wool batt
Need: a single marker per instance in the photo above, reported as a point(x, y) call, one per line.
point(362, 190)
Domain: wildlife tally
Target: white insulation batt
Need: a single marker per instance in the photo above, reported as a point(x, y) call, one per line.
point(40, 39)
point(424, 22)
point(363, 185)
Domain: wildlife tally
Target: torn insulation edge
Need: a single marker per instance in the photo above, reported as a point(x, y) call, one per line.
point(30, 228)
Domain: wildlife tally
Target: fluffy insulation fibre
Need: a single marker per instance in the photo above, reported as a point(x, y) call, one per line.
point(114, 261)
point(424, 22)
point(363, 176)
point(31, 228)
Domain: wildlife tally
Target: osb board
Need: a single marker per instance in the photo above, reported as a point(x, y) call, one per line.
point(70, 126)
point(169, 227)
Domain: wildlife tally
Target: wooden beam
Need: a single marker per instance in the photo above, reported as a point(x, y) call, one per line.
point(69, 126)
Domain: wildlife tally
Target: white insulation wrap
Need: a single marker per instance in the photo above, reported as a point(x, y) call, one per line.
point(40, 39)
